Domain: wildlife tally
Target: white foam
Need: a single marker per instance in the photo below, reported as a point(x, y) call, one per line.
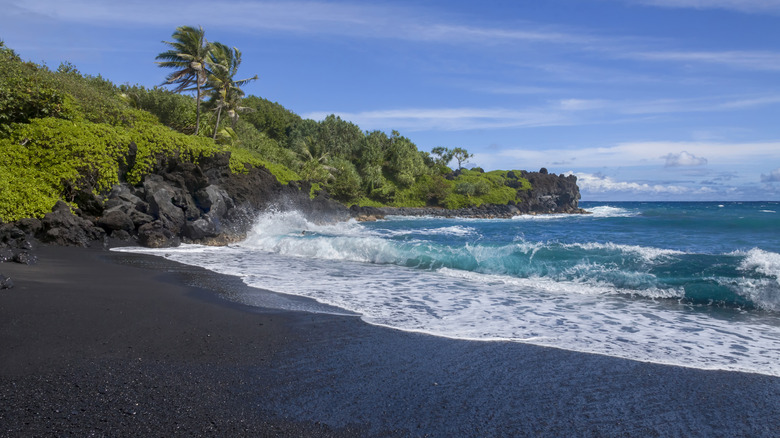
point(646, 252)
point(455, 230)
point(287, 254)
point(543, 217)
point(765, 292)
point(582, 286)
point(764, 262)
point(609, 211)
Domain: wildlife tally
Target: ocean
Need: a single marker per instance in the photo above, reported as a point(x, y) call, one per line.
point(694, 284)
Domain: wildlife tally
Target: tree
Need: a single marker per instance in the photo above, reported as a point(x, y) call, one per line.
point(461, 155)
point(313, 161)
point(226, 92)
point(188, 55)
point(444, 155)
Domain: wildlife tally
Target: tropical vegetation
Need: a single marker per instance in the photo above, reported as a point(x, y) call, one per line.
point(62, 131)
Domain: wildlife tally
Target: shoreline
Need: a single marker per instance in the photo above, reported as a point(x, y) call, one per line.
point(123, 344)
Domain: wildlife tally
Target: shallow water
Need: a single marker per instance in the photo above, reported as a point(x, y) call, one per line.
point(691, 284)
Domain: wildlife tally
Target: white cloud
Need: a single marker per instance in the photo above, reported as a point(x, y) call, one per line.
point(564, 112)
point(370, 20)
point(358, 19)
point(632, 154)
point(683, 159)
point(447, 119)
point(582, 104)
point(702, 104)
point(774, 176)
point(511, 89)
point(754, 6)
point(746, 60)
point(603, 184)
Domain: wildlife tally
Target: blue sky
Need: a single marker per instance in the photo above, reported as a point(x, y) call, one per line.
point(641, 99)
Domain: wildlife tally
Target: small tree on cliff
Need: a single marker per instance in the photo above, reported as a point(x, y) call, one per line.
point(462, 156)
point(444, 155)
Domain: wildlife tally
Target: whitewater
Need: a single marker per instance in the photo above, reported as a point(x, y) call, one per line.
point(687, 284)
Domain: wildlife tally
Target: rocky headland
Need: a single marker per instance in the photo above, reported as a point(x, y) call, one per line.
point(207, 203)
point(550, 194)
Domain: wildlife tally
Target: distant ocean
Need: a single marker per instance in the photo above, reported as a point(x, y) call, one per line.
point(690, 284)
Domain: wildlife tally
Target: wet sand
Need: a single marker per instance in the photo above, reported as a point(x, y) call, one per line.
point(98, 343)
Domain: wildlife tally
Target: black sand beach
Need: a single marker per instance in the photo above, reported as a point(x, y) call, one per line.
point(95, 343)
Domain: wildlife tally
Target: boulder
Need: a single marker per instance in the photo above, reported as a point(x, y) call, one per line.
point(62, 227)
point(214, 200)
point(156, 235)
point(121, 235)
point(6, 282)
point(25, 258)
point(160, 196)
point(139, 218)
point(89, 203)
point(6, 254)
point(116, 219)
point(29, 225)
point(202, 228)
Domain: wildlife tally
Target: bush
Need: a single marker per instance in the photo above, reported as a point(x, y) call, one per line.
point(50, 158)
point(28, 91)
point(346, 185)
point(156, 141)
point(96, 99)
point(241, 159)
point(173, 110)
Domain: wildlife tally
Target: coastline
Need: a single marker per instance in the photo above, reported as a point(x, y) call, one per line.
point(120, 344)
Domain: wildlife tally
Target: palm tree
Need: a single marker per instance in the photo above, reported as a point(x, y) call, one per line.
point(188, 55)
point(313, 161)
point(226, 91)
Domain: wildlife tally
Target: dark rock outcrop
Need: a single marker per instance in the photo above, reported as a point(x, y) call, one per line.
point(62, 227)
point(550, 193)
point(16, 241)
point(178, 202)
point(208, 203)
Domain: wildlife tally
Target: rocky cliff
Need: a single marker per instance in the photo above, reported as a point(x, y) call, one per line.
point(179, 202)
point(207, 203)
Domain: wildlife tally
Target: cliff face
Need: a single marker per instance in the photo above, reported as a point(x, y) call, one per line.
point(207, 203)
point(550, 193)
point(179, 202)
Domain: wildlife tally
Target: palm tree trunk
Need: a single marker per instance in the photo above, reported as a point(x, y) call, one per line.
point(197, 117)
point(216, 127)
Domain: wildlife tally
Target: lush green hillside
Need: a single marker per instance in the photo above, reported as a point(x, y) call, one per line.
point(62, 131)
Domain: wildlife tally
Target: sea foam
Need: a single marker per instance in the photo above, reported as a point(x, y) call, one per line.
point(459, 279)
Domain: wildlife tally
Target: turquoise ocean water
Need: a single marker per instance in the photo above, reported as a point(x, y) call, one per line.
point(690, 284)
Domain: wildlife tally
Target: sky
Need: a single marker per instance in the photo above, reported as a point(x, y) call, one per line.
point(641, 99)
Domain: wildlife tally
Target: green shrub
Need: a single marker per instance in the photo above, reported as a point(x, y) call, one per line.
point(26, 192)
point(366, 202)
point(240, 159)
point(173, 110)
point(315, 190)
point(28, 91)
point(49, 159)
point(156, 141)
point(97, 99)
point(474, 188)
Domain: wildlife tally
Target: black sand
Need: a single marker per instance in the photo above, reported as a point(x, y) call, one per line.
point(94, 343)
